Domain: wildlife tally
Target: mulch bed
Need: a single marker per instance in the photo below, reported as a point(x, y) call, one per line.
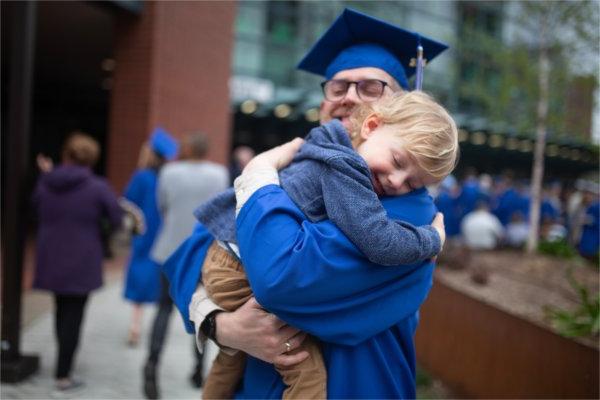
point(521, 284)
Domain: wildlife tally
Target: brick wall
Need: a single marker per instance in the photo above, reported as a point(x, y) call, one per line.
point(172, 69)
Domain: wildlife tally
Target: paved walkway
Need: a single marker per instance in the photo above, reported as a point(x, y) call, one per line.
point(109, 368)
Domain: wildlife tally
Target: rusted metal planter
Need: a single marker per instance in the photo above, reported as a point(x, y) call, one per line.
point(480, 351)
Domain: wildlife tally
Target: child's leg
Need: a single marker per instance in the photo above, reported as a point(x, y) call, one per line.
point(227, 285)
point(224, 376)
point(225, 279)
point(307, 380)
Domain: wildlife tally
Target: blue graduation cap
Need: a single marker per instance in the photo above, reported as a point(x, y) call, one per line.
point(356, 40)
point(164, 144)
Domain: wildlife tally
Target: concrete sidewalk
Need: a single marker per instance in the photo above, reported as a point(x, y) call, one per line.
point(109, 368)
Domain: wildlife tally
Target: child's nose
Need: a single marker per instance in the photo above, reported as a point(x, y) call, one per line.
point(398, 182)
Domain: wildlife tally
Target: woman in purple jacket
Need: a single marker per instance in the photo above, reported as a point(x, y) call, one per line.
point(70, 202)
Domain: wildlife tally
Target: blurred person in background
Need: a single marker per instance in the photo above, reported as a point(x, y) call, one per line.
point(182, 185)
point(447, 203)
point(240, 157)
point(486, 186)
point(550, 208)
point(470, 192)
point(70, 202)
point(481, 230)
point(503, 185)
point(142, 282)
point(589, 241)
point(577, 204)
point(553, 229)
point(517, 230)
point(508, 200)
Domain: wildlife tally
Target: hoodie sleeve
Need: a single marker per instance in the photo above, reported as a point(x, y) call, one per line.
point(354, 207)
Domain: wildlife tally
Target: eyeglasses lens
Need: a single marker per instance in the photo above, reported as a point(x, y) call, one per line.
point(368, 90)
point(336, 90)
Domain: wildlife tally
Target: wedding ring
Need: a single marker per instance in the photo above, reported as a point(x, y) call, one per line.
point(288, 346)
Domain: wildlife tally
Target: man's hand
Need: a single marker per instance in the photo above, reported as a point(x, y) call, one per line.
point(260, 334)
point(278, 157)
point(438, 225)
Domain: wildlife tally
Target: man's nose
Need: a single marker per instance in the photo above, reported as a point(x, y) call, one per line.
point(351, 96)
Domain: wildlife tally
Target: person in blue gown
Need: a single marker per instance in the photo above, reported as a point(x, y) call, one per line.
point(309, 274)
point(589, 243)
point(508, 202)
point(142, 282)
point(446, 202)
point(470, 194)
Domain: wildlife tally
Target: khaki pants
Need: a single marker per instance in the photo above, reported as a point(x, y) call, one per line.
point(227, 285)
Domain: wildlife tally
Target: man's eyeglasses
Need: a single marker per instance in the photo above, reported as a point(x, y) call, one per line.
point(367, 90)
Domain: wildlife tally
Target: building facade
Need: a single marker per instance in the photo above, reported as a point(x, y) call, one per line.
point(273, 102)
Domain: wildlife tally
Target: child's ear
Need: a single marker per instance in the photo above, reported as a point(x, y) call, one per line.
point(369, 126)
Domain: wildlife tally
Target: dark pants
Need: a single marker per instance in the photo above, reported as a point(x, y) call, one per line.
point(161, 324)
point(69, 314)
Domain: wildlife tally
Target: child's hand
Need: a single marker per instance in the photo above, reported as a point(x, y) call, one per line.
point(44, 163)
point(438, 225)
point(278, 157)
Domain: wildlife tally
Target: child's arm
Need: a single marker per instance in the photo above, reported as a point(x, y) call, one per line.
point(355, 208)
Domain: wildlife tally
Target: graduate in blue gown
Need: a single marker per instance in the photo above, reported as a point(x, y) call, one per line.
point(470, 194)
point(142, 282)
point(309, 274)
point(589, 243)
point(447, 203)
point(508, 202)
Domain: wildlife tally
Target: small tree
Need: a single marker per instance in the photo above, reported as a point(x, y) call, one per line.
point(554, 29)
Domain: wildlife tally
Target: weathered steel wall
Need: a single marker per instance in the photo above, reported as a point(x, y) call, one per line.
point(480, 351)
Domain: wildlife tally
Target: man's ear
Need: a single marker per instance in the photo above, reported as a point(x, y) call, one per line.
point(369, 125)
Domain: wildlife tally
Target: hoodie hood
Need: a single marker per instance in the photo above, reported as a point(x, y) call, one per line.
point(66, 177)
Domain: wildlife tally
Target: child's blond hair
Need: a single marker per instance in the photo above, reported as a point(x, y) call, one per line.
point(429, 132)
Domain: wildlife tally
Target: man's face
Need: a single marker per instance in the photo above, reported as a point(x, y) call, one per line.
point(343, 108)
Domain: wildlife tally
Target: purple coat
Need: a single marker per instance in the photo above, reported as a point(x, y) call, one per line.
point(70, 202)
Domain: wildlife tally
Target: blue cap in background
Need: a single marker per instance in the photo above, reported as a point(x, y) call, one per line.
point(356, 40)
point(164, 144)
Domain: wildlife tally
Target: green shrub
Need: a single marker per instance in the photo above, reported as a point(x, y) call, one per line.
point(559, 248)
point(585, 320)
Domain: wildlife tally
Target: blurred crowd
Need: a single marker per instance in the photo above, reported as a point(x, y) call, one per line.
point(485, 212)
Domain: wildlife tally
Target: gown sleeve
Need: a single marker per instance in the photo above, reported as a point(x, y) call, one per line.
point(311, 276)
point(183, 270)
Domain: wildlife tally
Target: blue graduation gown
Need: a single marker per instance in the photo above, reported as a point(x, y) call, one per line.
point(508, 203)
point(590, 235)
point(469, 195)
point(548, 211)
point(142, 282)
point(314, 278)
point(447, 205)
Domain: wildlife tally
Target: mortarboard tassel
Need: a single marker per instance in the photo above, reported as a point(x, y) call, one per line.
point(420, 65)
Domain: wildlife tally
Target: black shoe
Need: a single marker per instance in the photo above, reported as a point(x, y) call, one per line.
point(196, 378)
point(150, 384)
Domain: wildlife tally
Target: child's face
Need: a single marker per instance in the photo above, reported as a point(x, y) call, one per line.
point(393, 170)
